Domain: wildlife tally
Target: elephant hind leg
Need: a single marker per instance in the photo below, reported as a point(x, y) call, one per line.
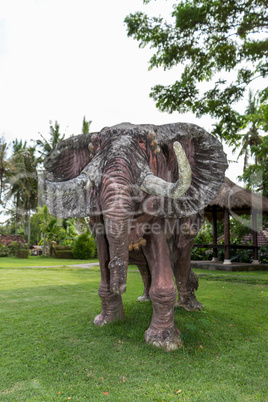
point(186, 280)
point(146, 278)
point(137, 258)
point(187, 298)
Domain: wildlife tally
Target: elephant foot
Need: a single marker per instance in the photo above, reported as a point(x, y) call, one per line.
point(100, 319)
point(168, 339)
point(189, 303)
point(112, 307)
point(105, 317)
point(143, 298)
point(118, 276)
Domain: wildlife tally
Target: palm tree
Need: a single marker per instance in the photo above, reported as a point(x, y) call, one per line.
point(45, 145)
point(251, 138)
point(30, 189)
point(4, 166)
point(21, 189)
point(86, 126)
point(17, 179)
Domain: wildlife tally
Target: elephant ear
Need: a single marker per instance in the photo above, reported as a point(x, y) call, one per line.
point(68, 158)
point(207, 160)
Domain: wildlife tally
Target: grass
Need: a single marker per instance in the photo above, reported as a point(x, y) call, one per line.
point(50, 349)
point(34, 261)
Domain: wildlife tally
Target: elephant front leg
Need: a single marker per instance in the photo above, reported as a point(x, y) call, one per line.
point(112, 306)
point(186, 279)
point(162, 331)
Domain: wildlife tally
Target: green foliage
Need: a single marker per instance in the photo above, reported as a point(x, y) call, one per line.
point(14, 247)
point(21, 187)
point(208, 38)
point(256, 175)
point(4, 251)
point(86, 125)
point(61, 251)
point(237, 232)
point(201, 254)
point(263, 254)
point(54, 229)
point(46, 146)
point(204, 236)
point(4, 167)
point(238, 229)
point(35, 229)
point(237, 255)
point(84, 247)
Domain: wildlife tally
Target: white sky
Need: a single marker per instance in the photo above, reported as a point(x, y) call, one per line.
point(66, 59)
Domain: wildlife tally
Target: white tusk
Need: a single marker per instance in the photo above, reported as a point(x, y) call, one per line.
point(155, 186)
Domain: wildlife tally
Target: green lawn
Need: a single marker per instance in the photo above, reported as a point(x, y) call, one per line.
point(50, 349)
point(34, 261)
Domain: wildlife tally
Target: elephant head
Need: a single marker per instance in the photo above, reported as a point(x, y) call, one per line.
point(170, 171)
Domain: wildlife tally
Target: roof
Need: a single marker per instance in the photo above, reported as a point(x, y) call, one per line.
point(262, 238)
point(7, 240)
point(237, 200)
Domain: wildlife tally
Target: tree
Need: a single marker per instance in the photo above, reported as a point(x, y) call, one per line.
point(211, 40)
point(45, 145)
point(16, 179)
point(256, 175)
point(4, 166)
point(21, 188)
point(86, 125)
point(252, 137)
point(254, 144)
point(30, 192)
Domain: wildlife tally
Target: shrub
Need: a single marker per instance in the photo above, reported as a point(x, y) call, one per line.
point(263, 254)
point(63, 254)
point(56, 249)
point(68, 243)
point(84, 247)
point(201, 254)
point(22, 253)
point(14, 246)
point(3, 250)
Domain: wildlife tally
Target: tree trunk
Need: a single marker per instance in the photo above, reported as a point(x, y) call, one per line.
point(29, 226)
point(44, 245)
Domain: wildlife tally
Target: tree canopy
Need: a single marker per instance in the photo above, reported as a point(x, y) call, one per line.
point(223, 43)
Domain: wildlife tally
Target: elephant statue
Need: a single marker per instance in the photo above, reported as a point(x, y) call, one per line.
point(140, 185)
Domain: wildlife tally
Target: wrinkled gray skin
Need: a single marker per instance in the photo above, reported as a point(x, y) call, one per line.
point(140, 184)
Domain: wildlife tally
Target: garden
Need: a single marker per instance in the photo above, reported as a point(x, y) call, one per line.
point(51, 350)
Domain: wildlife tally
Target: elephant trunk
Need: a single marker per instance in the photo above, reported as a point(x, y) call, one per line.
point(117, 207)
